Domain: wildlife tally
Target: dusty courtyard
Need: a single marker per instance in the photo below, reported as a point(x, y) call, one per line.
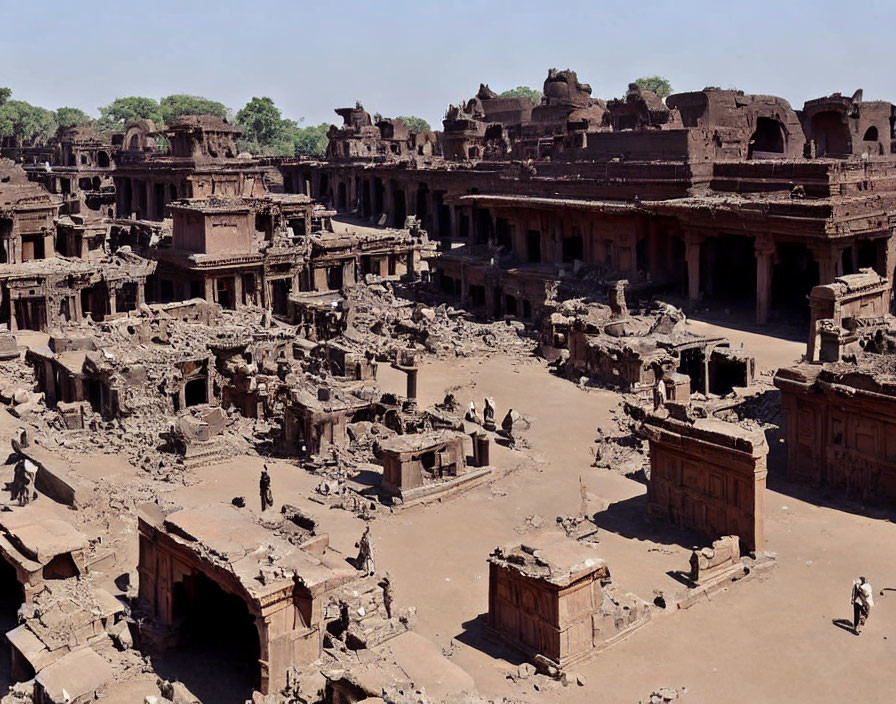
point(769, 639)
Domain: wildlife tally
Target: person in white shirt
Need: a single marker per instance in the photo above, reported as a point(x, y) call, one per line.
point(862, 600)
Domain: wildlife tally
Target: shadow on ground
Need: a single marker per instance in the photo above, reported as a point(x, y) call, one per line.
point(629, 519)
point(472, 636)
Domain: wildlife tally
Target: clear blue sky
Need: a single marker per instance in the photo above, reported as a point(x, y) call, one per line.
point(414, 57)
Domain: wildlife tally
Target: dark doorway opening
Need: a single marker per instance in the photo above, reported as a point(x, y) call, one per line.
point(533, 246)
point(728, 270)
point(323, 191)
point(93, 389)
point(503, 235)
point(767, 140)
point(166, 290)
point(11, 597)
point(794, 274)
point(831, 134)
point(217, 657)
point(31, 314)
point(225, 288)
point(484, 226)
point(692, 362)
point(399, 212)
point(423, 205)
point(280, 289)
point(477, 295)
point(159, 201)
point(366, 205)
point(334, 277)
point(573, 248)
point(510, 305)
point(196, 392)
point(463, 221)
point(126, 297)
point(379, 193)
point(340, 197)
point(32, 247)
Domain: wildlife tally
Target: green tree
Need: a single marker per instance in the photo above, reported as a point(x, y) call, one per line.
point(415, 124)
point(121, 111)
point(69, 117)
point(4, 95)
point(311, 140)
point(657, 84)
point(173, 106)
point(265, 131)
point(25, 122)
point(523, 92)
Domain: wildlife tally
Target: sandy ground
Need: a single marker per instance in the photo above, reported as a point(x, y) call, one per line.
point(771, 639)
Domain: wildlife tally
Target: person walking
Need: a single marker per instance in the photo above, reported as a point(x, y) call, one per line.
point(862, 600)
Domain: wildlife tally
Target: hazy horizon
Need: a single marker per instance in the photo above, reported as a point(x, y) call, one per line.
point(415, 59)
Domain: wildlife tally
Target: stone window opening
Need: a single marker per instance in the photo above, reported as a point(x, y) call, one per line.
point(870, 134)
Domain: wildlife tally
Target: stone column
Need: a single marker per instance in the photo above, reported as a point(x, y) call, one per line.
point(886, 259)
point(150, 202)
point(765, 249)
point(480, 448)
point(13, 321)
point(113, 307)
point(209, 290)
point(141, 293)
point(411, 391)
point(829, 265)
point(692, 244)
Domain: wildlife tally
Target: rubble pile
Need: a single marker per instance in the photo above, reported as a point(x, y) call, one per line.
point(385, 323)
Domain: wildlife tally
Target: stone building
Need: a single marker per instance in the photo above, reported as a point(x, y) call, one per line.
point(706, 475)
point(425, 465)
point(715, 193)
point(202, 163)
point(218, 564)
point(551, 599)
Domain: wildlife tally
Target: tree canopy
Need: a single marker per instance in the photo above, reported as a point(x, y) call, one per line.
point(173, 106)
point(312, 140)
point(657, 84)
point(69, 117)
point(120, 111)
point(265, 130)
point(523, 92)
point(414, 123)
point(5, 93)
point(25, 122)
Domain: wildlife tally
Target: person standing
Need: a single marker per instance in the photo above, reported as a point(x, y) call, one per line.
point(264, 488)
point(862, 600)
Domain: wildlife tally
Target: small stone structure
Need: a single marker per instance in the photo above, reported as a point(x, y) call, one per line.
point(706, 475)
point(424, 465)
point(551, 599)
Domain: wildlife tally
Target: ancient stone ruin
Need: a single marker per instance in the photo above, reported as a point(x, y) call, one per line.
point(268, 417)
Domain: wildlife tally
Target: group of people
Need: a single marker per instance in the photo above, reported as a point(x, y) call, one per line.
point(488, 419)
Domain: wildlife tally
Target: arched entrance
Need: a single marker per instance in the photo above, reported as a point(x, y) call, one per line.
point(768, 141)
point(218, 646)
point(831, 134)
